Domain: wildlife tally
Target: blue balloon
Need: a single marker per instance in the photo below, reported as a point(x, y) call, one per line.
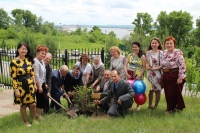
point(139, 86)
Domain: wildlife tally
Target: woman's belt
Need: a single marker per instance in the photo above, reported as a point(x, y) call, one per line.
point(167, 70)
point(23, 79)
point(24, 76)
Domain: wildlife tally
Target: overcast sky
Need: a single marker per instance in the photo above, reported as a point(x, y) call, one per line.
point(99, 12)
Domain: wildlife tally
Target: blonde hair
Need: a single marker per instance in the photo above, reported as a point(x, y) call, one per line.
point(116, 49)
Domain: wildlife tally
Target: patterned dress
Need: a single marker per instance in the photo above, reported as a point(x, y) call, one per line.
point(22, 75)
point(118, 64)
point(134, 65)
point(154, 77)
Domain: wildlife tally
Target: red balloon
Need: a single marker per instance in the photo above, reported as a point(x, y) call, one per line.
point(140, 98)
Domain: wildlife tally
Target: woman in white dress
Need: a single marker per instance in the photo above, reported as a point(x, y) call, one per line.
point(153, 67)
point(85, 68)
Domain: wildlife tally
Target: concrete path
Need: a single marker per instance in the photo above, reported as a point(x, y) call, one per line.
point(6, 103)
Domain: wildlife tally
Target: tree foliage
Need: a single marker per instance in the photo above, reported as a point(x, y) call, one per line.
point(143, 24)
point(176, 23)
point(196, 33)
point(5, 20)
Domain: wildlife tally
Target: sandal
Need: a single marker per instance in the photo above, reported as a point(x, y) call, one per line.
point(27, 124)
point(154, 107)
point(35, 122)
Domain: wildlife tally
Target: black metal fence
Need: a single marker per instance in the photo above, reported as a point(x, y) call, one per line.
point(67, 57)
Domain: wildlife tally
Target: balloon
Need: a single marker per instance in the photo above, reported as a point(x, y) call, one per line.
point(139, 86)
point(131, 82)
point(140, 98)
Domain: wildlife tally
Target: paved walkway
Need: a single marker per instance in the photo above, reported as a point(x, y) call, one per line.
point(6, 103)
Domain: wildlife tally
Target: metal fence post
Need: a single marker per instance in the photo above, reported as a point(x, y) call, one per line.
point(102, 54)
point(66, 57)
point(1, 63)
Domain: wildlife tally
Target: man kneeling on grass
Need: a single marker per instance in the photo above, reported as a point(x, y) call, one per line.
point(122, 93)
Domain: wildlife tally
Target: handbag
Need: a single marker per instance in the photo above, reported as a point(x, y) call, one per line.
point(161, 80)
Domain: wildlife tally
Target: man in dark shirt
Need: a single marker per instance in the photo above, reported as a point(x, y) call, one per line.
point(48, 67)
point(57, 81)
point(73, 79)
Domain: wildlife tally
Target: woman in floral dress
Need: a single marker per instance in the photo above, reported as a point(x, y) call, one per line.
point(153, 67)
point(136, 63)
point(23, 79)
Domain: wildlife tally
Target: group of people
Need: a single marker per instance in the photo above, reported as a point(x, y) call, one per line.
point(34, 81)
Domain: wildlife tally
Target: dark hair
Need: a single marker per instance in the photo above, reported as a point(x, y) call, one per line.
point(118, 72)
point(84, 56)
point(140, 50)
point(28, 55)
point(159, 47)
point(170, 38)
point(76, 67)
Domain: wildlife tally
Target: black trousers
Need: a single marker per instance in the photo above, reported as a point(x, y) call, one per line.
point(46, 104)
point(41, 98)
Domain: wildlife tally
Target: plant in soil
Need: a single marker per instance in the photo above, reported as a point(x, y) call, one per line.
point(83, 97)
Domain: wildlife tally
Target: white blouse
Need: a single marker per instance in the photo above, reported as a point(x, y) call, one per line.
point(86, 69)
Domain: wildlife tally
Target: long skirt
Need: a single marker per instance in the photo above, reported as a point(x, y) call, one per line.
point(173, 91)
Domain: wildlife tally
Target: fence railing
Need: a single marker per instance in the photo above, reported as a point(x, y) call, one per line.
point(67, 57)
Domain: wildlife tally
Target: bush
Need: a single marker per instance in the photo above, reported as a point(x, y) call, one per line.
point(30, 40)
point(82, 97)
point(3, 34)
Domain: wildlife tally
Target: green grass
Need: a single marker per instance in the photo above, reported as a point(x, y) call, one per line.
point(145, 120)
point(65, 43)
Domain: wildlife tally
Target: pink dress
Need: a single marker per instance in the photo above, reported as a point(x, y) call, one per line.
point(154, 77)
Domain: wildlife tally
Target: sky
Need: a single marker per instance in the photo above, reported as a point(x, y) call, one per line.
point(100, 12)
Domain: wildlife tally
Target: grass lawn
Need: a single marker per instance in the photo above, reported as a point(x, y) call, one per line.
point(65, 43)
point(143, 121)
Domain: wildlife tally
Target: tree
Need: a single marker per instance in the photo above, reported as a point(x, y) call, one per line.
point(178, 23)
point(196, 33)
point(143, 24)
point(51, 44)
point(48, 28)
point(95, 28)
point(29, 19)
point(38, 26)
point(78, 31)
point(18, 20)
point(4, 19)
point(112, 34)
point(95, 35)
point(24, 17)
point(30, 40)
point(161, 25)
